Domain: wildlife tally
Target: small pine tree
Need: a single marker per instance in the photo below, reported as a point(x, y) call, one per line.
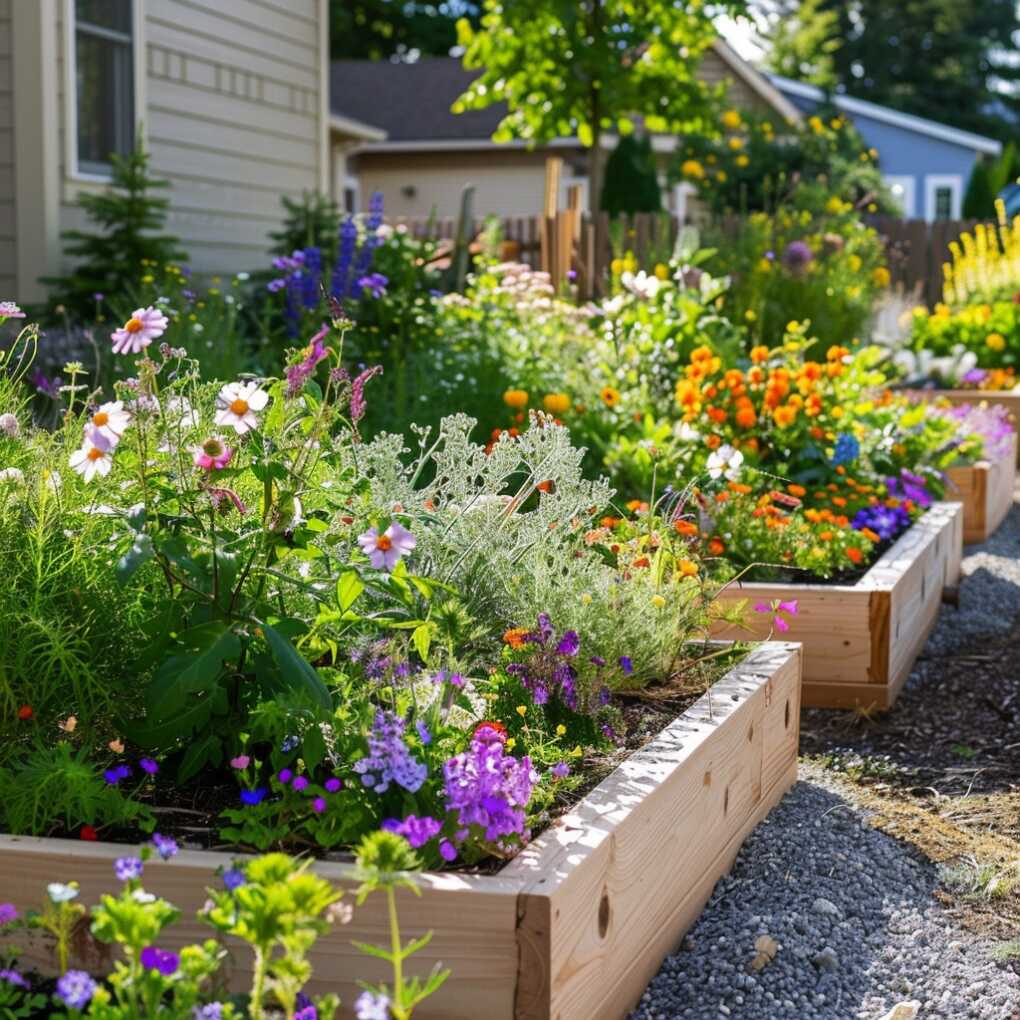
point(979, 198)
point(631, 180)
point(313, 221)
point(130, 221)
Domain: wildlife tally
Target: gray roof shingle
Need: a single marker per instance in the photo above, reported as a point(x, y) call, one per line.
point(411, 102)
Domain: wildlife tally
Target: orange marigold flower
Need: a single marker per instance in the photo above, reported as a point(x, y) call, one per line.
point(610, 522)
point(556, 403)
point(516, 399)
point(869, 534)
point(717, 414)
point(759, 354)
point(515, 637)
point(716, 547)
point(838, 501)
point(854, 554)
point(721, 497)
point(825, 536)
point(746, 418)
point(636, 506)
point(687, 568)
point(685, 527)
point(784, 415)
point(712, 441)
point(642, 561)
point(796, 490)
point(740, 487)
point(546, 486)
point(610, 396)
point(25, 713)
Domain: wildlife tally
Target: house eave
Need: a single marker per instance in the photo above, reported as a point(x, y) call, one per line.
point(353, 128)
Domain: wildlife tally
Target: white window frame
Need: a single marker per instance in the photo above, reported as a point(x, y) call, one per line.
point(932, 182)
point(72, 169)
point(909, 185)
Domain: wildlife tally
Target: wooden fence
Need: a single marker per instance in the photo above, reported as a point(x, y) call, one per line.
point(915, 249)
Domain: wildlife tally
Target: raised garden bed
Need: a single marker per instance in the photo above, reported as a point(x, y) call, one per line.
point(576, 925)
point(986, 491)
point(860, 640)
point(1009, 399)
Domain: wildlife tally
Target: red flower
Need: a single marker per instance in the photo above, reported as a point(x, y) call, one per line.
point(489, 728)
point(88, 833)
point(25, 713)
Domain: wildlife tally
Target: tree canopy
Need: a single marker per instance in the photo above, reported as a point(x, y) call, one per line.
point(584, 67)
point(395, 29)
point(951, 60)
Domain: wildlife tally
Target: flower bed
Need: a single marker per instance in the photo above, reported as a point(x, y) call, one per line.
point(861, 640)
point(533, 941)
point(1009, 400)
point(986, 491)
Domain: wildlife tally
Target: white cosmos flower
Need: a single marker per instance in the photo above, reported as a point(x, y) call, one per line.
point(95, 455)
point(725, 463)
point(686, 432)
point(644, 285)
point(236, 406)
point(110, 421)
point(11, 475)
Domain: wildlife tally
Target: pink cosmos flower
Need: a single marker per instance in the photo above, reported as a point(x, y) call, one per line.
point(237, 403)
point(94, 457)
point(385, 551)
point(776, 607)
point(242, 761)
point(10, 310)
point(110, 421)
point(213, 454)
point(144, 326)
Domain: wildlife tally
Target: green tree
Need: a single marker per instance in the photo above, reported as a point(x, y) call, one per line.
point(130, 219)
point(979, 197)
point(951, 59)
point(585, 67)
point(383, 29)
point(631, 178)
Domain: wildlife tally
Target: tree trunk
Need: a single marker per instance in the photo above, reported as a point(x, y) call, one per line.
point(595, 173)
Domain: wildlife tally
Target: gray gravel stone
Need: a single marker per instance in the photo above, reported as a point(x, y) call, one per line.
point(853, 911)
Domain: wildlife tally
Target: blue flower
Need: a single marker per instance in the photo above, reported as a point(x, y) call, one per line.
point(847, 449)
point(253, 797)
point(75, 989)
point(233, 878)
point(127, 868)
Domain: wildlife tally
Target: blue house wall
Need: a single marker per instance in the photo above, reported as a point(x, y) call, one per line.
point(903, 153)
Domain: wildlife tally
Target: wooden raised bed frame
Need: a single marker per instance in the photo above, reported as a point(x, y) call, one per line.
point(861, 640)
point(576, 925)
point(986, 491)
point(1009, 399)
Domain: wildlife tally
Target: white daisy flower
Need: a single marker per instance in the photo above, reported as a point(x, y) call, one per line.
point(94, 457)
point(237, 403)
point(110, 421)
point(725, 462)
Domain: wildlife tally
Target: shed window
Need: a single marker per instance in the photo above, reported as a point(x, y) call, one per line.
point(105, 81)
point(944, 202)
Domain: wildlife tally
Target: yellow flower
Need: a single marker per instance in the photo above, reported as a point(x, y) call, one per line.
point(576, 752)
point(764, 265)
point(742, 160)
point(585, 599)
point(731, 120)
point(855, 263)
point(516, 399)
point(658, 601)
point(510, 744)
point(721, 176)
point(556, 403)
point(792, 326)
point(616, 266)
point(560, 730)
point(661, 271)
point(736, 144)
point(880, 276)
point(816, 125)
point(687, 568)
point(692, 168)
point(751, 315)
point(872, 207)
point(873, 153)
point(148, 278)
point(835, 123)
point(996, 341)
point(522, 710)
point(610, 396)
point(834, 206)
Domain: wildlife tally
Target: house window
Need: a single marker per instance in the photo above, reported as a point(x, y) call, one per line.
point(104, 81)
point(943, 194)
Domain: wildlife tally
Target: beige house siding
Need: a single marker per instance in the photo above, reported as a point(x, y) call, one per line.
point(714, 70)
point(8, 250)
point(509, 182)
point(232, 96)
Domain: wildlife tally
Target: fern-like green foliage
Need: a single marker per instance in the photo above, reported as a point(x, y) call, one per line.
point(57, 788)
point(312, 221)
point(127, 221)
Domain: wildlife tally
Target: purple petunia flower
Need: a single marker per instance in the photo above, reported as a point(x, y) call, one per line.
point(569, 643)
point(165, 846)
point(12, 977)
point(447, 850)
point(128, 868)
point(162, 960)
point(561, 770)
point(75, 989)
point(233, 878)
point(417, 831)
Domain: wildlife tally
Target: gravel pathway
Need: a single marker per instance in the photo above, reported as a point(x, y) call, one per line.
point(840, 919)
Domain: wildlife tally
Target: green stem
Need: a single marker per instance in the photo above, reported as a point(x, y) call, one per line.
point(258, 983)
point(398, 958)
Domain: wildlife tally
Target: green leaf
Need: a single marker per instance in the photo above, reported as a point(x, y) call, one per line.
point(369, 950)
point(297, 672)
point(348, 588)
point(195, 669)
point(140, 552)
point(422, 640)
point(208, 748)
point(584, 135)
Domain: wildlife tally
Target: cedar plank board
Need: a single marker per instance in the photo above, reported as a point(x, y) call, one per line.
point(986, 491)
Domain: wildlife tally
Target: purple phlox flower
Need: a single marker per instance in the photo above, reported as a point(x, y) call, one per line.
point(975, 376)
point(47, 387)
point(374, 284)
point(285, 776)
point(300, 783)
point(128, 868)
point(12, 977)
point(8, 913)
point(165, 846)
point(456, 680)
point(389, 760)
point(333, 785)
point(560, 770)
point(116, 774)
point(75, 989)
point(370, 1006)
point(909, 486)
point(626, 665)
point(210, 1011)
point(423, 732)
point(604, 695)
point(385, 550)
point(319, 805)
point(358, 404)
point(447, 850)
point(797, 255)
point(569, 643)
point(162, 960)
point(149, 765)
point(417, 831)
point(253, 797)
point(489, 789)
point(233, 878)
point(402, 668)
